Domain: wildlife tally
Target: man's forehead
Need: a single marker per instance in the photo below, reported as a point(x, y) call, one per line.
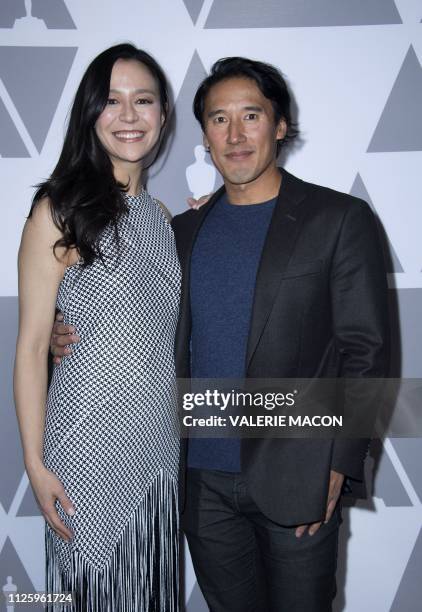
point(235, 91)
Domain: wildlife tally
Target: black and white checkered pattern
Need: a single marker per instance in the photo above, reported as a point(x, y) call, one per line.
point(111, 424)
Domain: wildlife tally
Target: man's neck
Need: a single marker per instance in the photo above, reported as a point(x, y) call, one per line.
point(262, 189)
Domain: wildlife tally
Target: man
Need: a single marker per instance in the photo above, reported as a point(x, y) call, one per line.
point(281, 279)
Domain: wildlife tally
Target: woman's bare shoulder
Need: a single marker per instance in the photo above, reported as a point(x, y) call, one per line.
point(41, 233)
point(41, 218)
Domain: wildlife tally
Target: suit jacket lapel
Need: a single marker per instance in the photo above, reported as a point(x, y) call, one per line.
point(278, 247)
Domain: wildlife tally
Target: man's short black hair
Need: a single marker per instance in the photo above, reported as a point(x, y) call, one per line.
point(268, 79)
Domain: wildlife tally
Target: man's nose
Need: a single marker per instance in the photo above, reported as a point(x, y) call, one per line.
point(235, 132)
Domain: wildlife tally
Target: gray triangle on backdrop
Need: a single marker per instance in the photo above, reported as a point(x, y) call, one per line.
point(29, 506)
point(306, 13)
point(196, 601)
point(387, 485)
point(28, 73)
point(407, 342)
point(10, 10)
point(410, 588)
point(400, 125)
point(392, 262)
point(409, 452)
point(194, 8)
point(11, 565)
point(11, 143)
point(10, 448)
point(168, 179)
point(54, 13)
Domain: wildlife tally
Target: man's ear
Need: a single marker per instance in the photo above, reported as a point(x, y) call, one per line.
point(281, 129)
point(205, 142)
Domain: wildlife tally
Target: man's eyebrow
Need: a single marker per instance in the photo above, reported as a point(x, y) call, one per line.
point(213, 113)
point(218, 111)
point(257, 109)
point(137, 91)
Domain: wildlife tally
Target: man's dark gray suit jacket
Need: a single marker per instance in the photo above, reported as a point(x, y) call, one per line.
point(320, 310)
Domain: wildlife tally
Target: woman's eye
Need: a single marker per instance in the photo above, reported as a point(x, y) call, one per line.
point(111, 101)
point(251, 116)
point(144, 101)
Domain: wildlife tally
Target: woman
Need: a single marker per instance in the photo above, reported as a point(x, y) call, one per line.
point(101, 448)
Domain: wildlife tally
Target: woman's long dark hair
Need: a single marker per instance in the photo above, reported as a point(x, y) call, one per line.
point(84, 196)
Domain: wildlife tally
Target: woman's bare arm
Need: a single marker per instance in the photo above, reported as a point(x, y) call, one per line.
point(40, 273)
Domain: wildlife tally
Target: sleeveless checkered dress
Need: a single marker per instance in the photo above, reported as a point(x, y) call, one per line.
point(111, 432)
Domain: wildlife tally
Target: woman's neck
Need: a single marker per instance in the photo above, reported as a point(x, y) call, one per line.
point(130, 176)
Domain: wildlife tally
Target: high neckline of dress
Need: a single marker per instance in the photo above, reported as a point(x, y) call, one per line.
point(135, 199)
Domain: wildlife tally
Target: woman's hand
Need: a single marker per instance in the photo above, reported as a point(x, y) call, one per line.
point(48, 489)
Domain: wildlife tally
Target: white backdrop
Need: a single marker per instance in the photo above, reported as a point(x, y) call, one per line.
point(355, 71)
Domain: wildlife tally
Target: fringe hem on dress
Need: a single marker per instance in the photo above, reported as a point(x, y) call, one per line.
point(142, 573)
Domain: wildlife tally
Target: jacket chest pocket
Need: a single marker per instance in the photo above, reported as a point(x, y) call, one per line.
point(300, 269)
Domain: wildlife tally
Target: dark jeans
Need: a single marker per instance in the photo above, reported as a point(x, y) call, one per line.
point(245, 562)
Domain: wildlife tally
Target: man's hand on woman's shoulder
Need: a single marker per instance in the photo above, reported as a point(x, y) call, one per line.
point(196, 204)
